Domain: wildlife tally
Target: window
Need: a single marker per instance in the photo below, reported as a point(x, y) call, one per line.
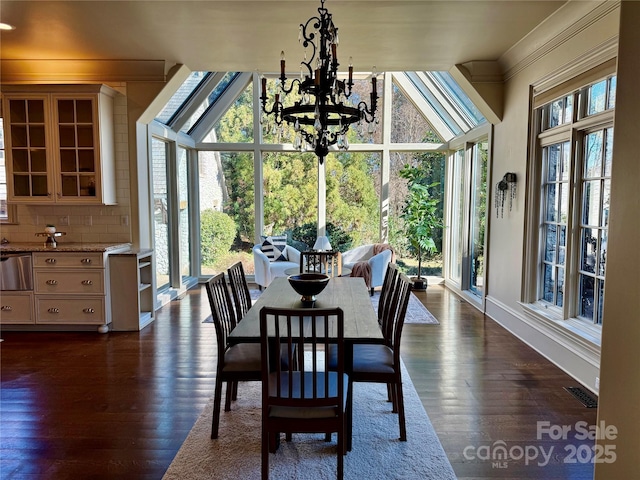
point(161, 212)
point(251, 171)
point(575, 145)
point(467, 215)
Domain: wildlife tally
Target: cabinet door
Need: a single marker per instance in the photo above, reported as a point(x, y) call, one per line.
point(77, 146)
point(27, 148)
point(15, 308)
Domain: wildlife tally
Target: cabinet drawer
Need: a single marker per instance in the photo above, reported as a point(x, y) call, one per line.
point(86, 311)
point(16, 309)
point(71, 282)
point(69, 260)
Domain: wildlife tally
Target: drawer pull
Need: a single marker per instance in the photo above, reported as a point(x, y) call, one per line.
point(50, 260)
point(87, 282)
point(89, 310)
point(53, 310)
point(6, 308)
point(86, 261)
point(52, 282)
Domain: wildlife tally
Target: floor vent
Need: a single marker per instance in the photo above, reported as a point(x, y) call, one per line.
point(585, 397)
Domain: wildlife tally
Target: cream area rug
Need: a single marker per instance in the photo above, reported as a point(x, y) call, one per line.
point(377, 453)
point(416, 311)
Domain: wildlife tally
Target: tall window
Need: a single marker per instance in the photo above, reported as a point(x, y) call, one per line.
point(478, 215)
point(456, 249)
point(466, 224)
point(184, 230)
point(162, 237)
point(576, 144)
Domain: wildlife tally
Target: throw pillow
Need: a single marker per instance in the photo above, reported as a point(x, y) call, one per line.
point(274, 248)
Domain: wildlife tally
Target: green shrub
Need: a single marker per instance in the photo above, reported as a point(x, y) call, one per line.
point(217, 233)
point(340, 240)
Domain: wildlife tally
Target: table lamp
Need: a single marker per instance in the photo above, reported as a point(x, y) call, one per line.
point(322, 244)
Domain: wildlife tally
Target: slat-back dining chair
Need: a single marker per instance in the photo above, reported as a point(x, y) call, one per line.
point(381, 363)
point(390, 278)
point(239, 289)
point(328, 262)
point(309, 399)
point(384, 307)
point(241, 362)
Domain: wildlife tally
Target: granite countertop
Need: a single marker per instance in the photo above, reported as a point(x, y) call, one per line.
point(62, 247)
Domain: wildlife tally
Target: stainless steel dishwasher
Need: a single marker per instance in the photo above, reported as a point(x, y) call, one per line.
point(15, 271)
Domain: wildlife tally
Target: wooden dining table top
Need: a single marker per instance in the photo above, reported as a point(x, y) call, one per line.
point(349, 293)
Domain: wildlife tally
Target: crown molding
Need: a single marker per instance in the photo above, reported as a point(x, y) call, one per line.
point(81, 71)
point(567, 22)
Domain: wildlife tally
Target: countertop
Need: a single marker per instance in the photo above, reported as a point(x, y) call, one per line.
point(62, 247)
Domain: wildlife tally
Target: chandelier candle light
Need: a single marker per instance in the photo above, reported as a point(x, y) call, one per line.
point(321, 116)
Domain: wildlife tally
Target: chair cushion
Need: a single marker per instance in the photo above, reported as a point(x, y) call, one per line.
point(277, 269)
point(242, 357)
point(274, 247)
point(372, 359)
point(306, 411)
point(367, 358)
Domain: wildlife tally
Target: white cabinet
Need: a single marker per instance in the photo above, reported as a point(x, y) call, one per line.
point(69, 289)
point(59, 144)
point(132, 289)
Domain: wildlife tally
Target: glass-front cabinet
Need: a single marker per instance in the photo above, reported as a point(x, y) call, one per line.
point(59, 144)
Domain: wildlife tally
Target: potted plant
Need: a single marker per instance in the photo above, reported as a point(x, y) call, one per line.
point(420, 219)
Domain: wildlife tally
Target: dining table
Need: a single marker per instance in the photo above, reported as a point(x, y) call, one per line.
point(348, 293)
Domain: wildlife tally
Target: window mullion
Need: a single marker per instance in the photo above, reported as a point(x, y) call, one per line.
point(573, 228)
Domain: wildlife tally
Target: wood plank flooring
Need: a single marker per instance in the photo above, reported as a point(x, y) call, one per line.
point(85, 405)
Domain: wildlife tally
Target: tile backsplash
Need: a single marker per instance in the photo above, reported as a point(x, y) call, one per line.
point(100, 223)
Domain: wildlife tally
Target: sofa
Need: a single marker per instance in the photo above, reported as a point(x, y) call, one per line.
point(378, 263)
point(266, 270)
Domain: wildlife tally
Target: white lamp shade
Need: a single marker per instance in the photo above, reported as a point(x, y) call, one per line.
point(322, 243)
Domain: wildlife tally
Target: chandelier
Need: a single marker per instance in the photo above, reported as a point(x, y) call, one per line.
point(323, 113)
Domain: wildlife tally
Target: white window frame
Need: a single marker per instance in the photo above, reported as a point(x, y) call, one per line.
point(573, 131)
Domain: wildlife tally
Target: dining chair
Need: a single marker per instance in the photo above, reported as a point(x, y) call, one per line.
point(309, 399)
point(328, 262)
point(390, 278)
point(236, 363)
point(239, 289)
point(384, 306)
point(380, 363)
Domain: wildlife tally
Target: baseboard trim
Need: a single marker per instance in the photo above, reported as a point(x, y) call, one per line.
point(564, 348)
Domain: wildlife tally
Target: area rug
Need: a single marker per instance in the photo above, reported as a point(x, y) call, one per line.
point(416, 311)
point(377, 453)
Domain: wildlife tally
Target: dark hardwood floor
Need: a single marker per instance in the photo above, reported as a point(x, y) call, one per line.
point(92, 406)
